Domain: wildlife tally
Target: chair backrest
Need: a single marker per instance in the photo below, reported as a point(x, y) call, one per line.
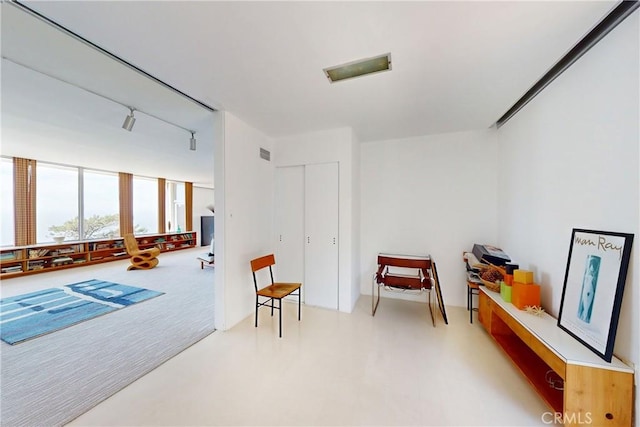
point(259, 264)
point(131, 244)
point(404, 262)
point(408, 261)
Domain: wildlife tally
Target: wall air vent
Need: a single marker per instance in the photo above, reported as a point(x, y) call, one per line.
point(265, 154)
point(359, 68)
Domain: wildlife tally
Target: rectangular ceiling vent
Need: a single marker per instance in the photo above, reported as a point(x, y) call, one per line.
point(358, 68)
point(265, 154)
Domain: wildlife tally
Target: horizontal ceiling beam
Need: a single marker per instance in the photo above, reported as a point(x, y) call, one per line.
point(615, 17)
point(107, 53)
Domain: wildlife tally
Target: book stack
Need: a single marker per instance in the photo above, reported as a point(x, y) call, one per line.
point(7, 256)
point(36, 265)
point(62, 261)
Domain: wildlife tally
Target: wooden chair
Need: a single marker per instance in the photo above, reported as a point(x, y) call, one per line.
point(275, 291)
point(141, 259)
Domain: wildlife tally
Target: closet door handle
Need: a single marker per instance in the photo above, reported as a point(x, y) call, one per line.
point(334, 240)
point(308, 239)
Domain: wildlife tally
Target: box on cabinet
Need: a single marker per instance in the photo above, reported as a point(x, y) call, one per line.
point(506, 292)
point(524, 294)
point(523, 276)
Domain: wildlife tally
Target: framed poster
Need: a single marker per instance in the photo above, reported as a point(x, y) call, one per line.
point(593, 287)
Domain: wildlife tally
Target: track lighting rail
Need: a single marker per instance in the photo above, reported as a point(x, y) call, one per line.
point(129, 120)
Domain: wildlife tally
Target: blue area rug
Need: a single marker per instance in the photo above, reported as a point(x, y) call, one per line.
point(38, 313)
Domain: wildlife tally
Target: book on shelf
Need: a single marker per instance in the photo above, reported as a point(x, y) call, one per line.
point(38, 253)
point(12, 269)
point(7, 256)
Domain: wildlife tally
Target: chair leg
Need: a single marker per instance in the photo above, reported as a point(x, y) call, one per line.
point(471, 293)
point(374, 302)
point(299, 298)
point(279, 316)
point(257, 311)
point(433, 319)
point(271, 307)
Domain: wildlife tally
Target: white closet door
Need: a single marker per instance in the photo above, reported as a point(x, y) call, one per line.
point(289, 225)
point(321, 235)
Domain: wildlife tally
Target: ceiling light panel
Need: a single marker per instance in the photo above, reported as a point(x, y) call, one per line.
point(358, 68)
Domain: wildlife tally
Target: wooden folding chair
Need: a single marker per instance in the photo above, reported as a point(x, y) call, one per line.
point(275, 291)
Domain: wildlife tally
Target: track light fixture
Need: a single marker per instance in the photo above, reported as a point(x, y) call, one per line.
point(129, 121)
point(192, 142)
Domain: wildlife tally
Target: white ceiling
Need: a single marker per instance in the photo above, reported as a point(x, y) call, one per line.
point(457, 65)
point(46, 116)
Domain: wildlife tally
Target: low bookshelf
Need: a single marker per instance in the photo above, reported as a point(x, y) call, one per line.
point(32, 259)
point(570, 379)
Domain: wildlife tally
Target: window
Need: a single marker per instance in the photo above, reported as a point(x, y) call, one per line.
point(56, 202)
point(6, 199)
point(101, 201)
point(66, 194)
point(175, 206)
point(145, 205)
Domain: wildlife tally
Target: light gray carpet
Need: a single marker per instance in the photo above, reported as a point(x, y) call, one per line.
point(50, 380)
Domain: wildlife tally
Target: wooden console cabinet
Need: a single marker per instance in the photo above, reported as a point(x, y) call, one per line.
point(591, 392)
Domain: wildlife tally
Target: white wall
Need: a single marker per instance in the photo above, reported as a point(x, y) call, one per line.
point(355, 221)
point(570, 160)
point(202, 197)
point(219, 171)
point(429, 195)
point(335, 145)
point(244, 211)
